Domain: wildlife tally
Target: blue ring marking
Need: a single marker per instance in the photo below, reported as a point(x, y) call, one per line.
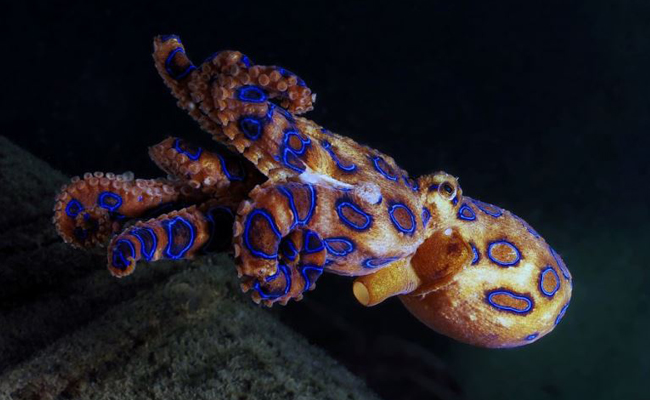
point(561, 314)
point(529, 302)
point(251, 127)
point(283, 111)
point(312, 205)
point(510, 245)
point(270, 110)
point(378, 262)
point(168, 67)
point(288, 249)
point(120, 262)
point(541, 281)
point(560, 264)
point(152, 242)
point(341, 203)
point(454, 201)
point(165, 38)
point(433, 187)
point(426, 216)
point(465, 212)
point(411, 183)
point(341, 252)
point(104, 196)
point(193, 157)
point(391, 211)
point(289, 152)
point(532, 336)
point(375, 161)
point(303, 272)
point(73, 208)
point(229, 175)
point(307, 246)
point(477, 255)
point(346, 168)
point(170, 238)
point(251, 94)
point(287, 286)
point(485, 208)
point(249, 219)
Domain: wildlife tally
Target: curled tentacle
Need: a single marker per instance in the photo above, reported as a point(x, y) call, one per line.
point(177, 235)
point(91, 209)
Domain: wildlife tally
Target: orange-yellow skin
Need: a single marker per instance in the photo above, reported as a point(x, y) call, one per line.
point(296, 200)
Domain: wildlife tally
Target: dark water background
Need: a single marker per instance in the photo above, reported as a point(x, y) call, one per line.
point(542, 109)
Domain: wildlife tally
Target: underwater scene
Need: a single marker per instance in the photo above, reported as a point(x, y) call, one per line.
point(325, 200)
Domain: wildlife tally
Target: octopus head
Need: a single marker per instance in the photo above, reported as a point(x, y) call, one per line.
point(486, 277)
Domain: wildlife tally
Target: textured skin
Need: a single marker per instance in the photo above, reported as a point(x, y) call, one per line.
point(293, 200)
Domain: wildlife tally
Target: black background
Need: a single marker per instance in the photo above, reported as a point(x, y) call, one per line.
point(539, 107)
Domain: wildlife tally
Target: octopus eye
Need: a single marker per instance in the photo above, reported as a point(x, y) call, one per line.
point(447, 190)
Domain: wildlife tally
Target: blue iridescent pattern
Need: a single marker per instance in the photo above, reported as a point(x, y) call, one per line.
point(345, 168)
point(489, 209)
point(178, 146)
point(477, 255)
point(561, 314)
point(383, 168)
point(288, 249)
point(287, 277)
point(297, 221)
point(501, 262)
point(73, 208)
point(247, 231)
point(251, 126)
point(532, 336)
point(251, 94)
point(148, 241)
point(311, 242)
point(180, 237)
point(246, 61)
point(560, 264)
point(465, 212)
point(426, 216)
point(226, 171)
point(542, 276)
point(290, 155)
point(404, 229)
point(109, 200)
point(168, 65)
point(339, 246)
point(503, 292)
point(120, 261)
point(305, 269)
point(377, 262)
point(342, 205)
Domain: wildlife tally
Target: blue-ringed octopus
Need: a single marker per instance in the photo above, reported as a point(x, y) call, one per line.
point(291, 200)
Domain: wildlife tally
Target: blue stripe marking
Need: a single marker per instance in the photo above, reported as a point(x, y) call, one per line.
point(165, 38)
point(170, 251)
point(251, 94)
point(376, 160)
point(193, 157)
point(509, 245)
point(411, 183)
point(561, 314)
point(378, 262)
point(168, 66)
point(288, 249)
point(341, 204)
point(532, 336)
point(391, 211)
point(297, 221)
point(529, 302)
point(489, 209)
point(73, 208)
point(147, 245)
point(290, 156)
point(229, 175)
point(465, 212)
point(542, 275)
point(560, 264)
point(119, 261)
point(286, 73)
point(331, 244)
point(109, 201)
point(477, 255)
point(311, 242)
point(346, 168)
point(265, 214)
point(426, 216)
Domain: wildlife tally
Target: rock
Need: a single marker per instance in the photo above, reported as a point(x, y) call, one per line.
point(171, 330)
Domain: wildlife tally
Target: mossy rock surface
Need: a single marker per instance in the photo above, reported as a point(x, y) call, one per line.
point(171, 330)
